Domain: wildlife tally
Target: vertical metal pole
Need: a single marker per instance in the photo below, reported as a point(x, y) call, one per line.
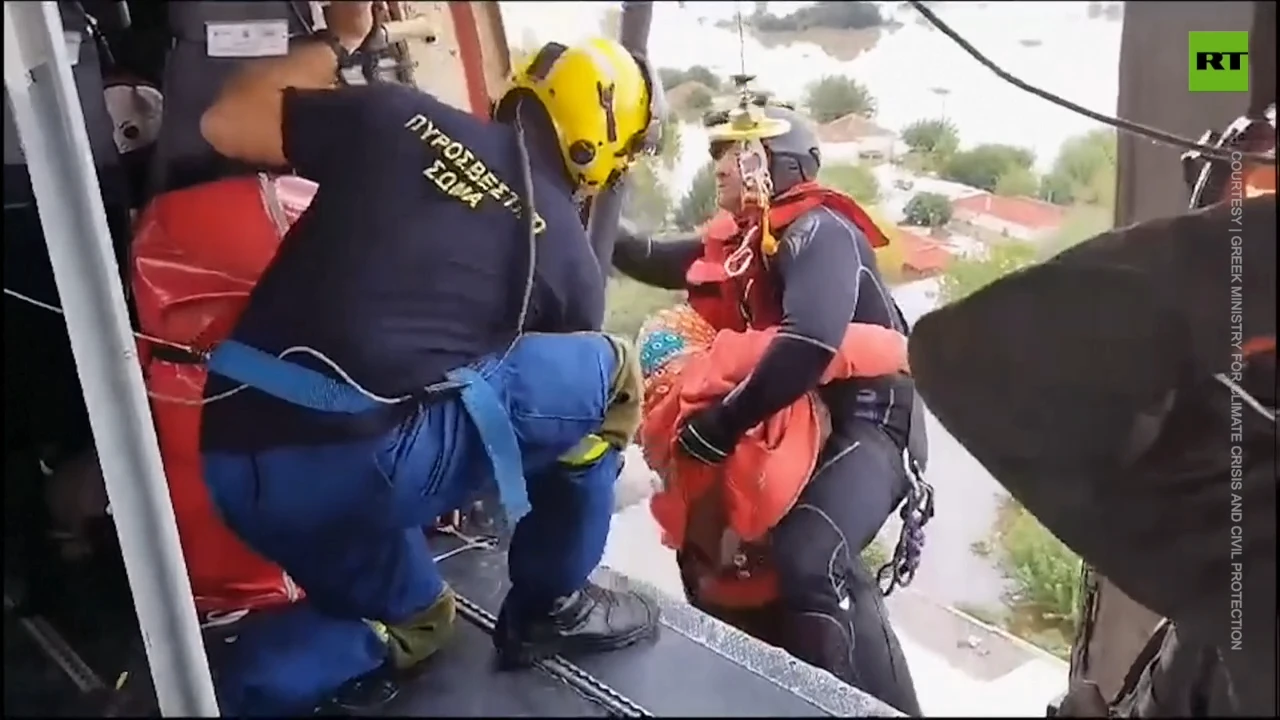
point(50, 124)
point(606, 209)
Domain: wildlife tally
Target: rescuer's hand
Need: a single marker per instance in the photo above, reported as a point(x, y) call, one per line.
point(350, 22)
point(703, 438)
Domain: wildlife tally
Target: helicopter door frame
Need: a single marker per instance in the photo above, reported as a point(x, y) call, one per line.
point(51, 128)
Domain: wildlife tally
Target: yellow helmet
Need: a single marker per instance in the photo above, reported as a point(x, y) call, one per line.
point(604, 102)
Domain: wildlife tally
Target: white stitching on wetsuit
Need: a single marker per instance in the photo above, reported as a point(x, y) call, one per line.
point(694, 431)
point(885, 298)
point(811, 341)
point(831, 575)
point(862, 267)
point(821, 469)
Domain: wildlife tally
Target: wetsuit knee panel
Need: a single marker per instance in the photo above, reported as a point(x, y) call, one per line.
point(811, 555)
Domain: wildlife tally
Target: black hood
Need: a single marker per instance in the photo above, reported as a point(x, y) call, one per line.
point(1092, 387)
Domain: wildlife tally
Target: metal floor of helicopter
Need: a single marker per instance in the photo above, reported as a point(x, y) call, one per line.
point(696, 667)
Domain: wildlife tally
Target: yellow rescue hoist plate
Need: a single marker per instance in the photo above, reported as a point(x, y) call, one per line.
point(748, 124)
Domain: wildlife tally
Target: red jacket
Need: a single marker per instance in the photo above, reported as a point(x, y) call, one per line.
point(751, 298)
point(701, 507)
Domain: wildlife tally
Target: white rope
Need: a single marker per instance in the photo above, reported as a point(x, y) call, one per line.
point(1251, 401)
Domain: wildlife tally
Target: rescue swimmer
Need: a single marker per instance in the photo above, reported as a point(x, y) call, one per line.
point(809, 281)
point(429, 330)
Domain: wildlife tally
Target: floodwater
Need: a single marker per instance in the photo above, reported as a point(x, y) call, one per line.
point(913, 72)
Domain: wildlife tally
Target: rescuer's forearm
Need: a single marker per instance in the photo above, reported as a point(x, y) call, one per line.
point(819, 268)
point(789, 368)
point(246, 121)
point(311, 65)
point(658, 261)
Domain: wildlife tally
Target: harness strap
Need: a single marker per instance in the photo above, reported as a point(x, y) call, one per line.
point(493, 424)
point(287, 381)
point(308, 388)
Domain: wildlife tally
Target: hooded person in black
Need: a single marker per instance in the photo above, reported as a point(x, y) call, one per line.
point(1125, 392)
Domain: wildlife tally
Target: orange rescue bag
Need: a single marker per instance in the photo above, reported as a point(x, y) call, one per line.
point(197, 253)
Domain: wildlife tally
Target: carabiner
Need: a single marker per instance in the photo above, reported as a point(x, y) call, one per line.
point(740, 259)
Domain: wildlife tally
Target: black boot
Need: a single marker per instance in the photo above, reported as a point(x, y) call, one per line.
point(592, 620)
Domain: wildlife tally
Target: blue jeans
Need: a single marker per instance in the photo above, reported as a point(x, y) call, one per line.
point(345, 520)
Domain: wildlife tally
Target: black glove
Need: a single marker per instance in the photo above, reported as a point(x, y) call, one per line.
point(704, 437)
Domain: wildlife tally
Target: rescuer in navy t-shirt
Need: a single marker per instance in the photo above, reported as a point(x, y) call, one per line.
point(412, 263)
point(404, 267)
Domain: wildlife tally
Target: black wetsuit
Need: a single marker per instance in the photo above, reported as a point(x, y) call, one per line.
point(832, 611)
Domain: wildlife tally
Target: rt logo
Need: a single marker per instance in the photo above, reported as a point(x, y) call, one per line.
point(1219, 61)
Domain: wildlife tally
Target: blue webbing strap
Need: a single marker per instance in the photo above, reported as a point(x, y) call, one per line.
point(493, 424)
point(308, 388)
point(287, 381)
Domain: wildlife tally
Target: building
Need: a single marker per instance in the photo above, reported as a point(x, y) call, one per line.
point(853, 138)
point(690, 99)
point(922, 256)
point(1020, 218)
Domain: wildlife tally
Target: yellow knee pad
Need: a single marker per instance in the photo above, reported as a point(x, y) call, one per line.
point(417, 638)
point(626, 391)
point(622, 415)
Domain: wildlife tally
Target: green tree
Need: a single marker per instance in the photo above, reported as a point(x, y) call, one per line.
point(855, 180)
point(700, 74)
point(1017, 182)
point(1045, 577)
point(670, 77)
point(982, 166)
point(629, 303)
point(1084, 171)
point(699, 202)
point(699, 100)
point(936, 139)
point(1081, 223)
point(968, 275)
point(672, 142)
point(834, 96)
point(823, 14)
point(648, 201)
point(926, 209)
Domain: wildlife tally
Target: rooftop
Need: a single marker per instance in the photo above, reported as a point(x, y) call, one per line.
point(851, 128)
point(922, 253)
point(1024, 211)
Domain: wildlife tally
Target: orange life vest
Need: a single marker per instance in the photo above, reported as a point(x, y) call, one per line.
point(731, 286)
